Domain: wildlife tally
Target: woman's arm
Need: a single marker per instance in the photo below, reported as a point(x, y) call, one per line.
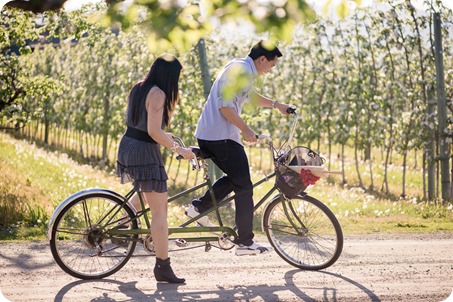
point(155, 101)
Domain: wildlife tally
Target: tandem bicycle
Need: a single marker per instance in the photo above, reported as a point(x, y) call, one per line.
point(87, 243)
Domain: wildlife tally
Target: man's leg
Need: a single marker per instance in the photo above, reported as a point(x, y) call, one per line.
point(218, 151)
point(238, 171)
point(221, 188)
point(231, 158)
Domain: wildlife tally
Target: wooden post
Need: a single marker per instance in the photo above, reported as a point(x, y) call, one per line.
point(205, 74)
point(214, 171)
point(441, 110)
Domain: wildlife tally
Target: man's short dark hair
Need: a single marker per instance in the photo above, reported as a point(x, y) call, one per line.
point(262, 48)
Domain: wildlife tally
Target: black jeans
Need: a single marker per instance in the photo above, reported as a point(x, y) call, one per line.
point(230, 157)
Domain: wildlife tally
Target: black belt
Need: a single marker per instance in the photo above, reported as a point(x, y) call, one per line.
point(139, 135)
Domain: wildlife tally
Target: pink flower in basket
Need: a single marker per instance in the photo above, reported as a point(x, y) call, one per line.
point(307, 177)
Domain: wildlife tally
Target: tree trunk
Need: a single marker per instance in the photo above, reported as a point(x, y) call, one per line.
point(403, 192)
point(356, 156)
point(344, 181)
point(430, 150)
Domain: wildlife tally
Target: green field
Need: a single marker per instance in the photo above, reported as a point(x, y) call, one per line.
point(34, 181)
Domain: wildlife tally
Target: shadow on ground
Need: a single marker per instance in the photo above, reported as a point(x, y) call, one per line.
point(114, 290)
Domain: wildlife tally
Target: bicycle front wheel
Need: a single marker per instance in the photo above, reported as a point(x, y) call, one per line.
point(81, 244)
point(303, 231)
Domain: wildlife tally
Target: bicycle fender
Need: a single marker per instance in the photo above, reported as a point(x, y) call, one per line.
point(74, 196)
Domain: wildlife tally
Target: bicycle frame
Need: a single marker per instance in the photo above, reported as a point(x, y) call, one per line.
point(94, 232)
point(184, 228)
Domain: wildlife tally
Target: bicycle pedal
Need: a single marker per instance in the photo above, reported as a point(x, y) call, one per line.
point(148, 245)
point(207, 247)
point(181, 243)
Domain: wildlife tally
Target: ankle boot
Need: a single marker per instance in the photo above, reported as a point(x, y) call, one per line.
point(164, 272)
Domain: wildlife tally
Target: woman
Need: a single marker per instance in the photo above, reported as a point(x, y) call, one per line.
point(150, 105)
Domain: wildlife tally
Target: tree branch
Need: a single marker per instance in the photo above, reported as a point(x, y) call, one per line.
point(36, 6)
point(40, 6)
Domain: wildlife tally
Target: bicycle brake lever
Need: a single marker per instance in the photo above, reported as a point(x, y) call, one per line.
point(194, 162)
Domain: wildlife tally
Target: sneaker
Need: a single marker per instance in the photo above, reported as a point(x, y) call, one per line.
point(254, 249)
point(203, 221)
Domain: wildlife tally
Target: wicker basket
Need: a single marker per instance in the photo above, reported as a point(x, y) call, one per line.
point(288, 181)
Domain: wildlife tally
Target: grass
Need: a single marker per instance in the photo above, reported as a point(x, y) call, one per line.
point(35, 181)
point(361, 212)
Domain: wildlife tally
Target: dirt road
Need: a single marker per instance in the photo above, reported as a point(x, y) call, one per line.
point(374, 268)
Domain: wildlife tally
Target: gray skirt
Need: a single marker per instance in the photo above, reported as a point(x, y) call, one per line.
point(141, 162)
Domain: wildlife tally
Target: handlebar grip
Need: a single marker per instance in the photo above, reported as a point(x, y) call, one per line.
point(291, 109)
point(264, 137)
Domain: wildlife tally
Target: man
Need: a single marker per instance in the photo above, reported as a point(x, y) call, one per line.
point(219, 132)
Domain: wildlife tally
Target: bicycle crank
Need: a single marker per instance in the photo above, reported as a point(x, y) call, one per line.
point(226, 241)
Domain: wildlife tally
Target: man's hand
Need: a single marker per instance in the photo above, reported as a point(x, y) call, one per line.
point(249, 135)
point(233, 117)
point(282, 108)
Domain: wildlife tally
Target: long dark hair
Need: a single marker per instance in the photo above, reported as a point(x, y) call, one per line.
point(164, 73)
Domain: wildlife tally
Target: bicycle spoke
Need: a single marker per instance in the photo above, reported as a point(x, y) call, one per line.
point(303, 232)
point(71, 231)
point(275, 228)
point(81, 244)
point(86, 213)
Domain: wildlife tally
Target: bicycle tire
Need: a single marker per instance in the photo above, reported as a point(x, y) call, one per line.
point(80, 242)
point(303, 231)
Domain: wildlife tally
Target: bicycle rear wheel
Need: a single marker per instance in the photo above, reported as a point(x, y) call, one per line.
point(303, 231)
point(81, 244)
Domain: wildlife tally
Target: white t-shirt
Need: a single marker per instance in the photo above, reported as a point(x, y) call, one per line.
point(232, 88)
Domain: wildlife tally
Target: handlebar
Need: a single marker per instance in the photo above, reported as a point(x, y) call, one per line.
point(291, 109)
point(263, 137)
point(194, 162)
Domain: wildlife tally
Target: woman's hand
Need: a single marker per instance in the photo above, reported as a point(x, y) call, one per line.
point(169, 135)
point(186, 153)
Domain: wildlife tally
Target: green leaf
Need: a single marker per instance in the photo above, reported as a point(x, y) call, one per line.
point(325, 9)
point(343, 9)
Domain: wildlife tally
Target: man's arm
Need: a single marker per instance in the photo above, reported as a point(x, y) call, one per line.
point(233, 117)
point(263, 101)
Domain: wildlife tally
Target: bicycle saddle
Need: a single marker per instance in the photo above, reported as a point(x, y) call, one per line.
point(196, 150)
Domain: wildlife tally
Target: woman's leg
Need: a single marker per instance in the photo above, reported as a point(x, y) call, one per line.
point(135, 201)
point(158, 205)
